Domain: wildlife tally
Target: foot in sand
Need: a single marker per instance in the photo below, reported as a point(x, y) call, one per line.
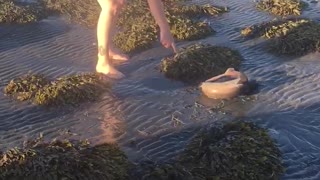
point(108, 70)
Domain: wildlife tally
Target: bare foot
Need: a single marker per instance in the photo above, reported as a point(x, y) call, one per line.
point(108, 70)
point(117, 55)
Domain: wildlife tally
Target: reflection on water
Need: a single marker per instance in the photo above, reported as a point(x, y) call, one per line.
point(152, 117)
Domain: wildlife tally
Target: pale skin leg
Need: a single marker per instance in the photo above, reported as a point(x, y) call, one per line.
point(109, 9)
point(104, 64)
point(157, 11)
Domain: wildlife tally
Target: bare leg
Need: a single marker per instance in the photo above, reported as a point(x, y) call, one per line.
point(104, 64)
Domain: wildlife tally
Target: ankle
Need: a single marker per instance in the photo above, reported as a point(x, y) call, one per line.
point(102, 59)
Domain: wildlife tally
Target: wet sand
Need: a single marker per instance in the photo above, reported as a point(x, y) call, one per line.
point(141, 114)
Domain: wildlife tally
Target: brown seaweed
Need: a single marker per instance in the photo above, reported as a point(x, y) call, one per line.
point(289, 37)
point(301, 40)
point(64, 160)
point(140, 36)
point(192, 11)
point(282, 7)
point(25, 87)
point(199, 62)
point(273, 29)
point(236, 150)
point(189, 30)
point(71, 90)
point(139, 30)
point(20, 13)
point(84, 12)
point(239, 150)
point(148, 170)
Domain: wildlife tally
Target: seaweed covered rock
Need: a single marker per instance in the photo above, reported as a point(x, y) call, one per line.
point(192, 11)
point(282, 7)
point(132, 13)
point(199, 62)
point(25, 87)
point(186, 29)
point(13, 12)
point(139, 37)
point(64, 160)
point(143, 34)
point(239, 150)
point(71, 90)
point(139, 30)
point(273, 29)
point(291, 36)
point(301, 40)
point(85, 12)
point(154, 171)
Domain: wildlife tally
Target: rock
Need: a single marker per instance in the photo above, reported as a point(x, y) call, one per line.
point(198, 62)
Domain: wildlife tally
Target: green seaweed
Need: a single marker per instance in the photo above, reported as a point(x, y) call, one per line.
point(199, 62)
point(25, 87)
point(71, 90)
point(289, 37)
point(20, 13)
point(84, 12)
point(301, 40)
point(282, 7)
point(135, 12)
point(166, 172)
point(140, 36)
point(192, 11)
point(139, 30)
point(239, 150)
point(189, 30)
point(273, 29)
point(64, 160)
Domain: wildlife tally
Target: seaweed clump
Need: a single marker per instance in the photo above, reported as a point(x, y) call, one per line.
point(301, 40)
point(272, 29)
point(13, 12)
point(139, 30)
point(282, 7)
point(72, 89)
point(64, 160)
point(192, 11)
point(290, 37)
point(238, 150)
point(199, 62)
point(138, 37)
point(164, 172)
point(186, 29)
point(25, 87)
point(84, 12)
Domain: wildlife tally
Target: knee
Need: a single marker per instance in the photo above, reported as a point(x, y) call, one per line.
point(106, 4)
